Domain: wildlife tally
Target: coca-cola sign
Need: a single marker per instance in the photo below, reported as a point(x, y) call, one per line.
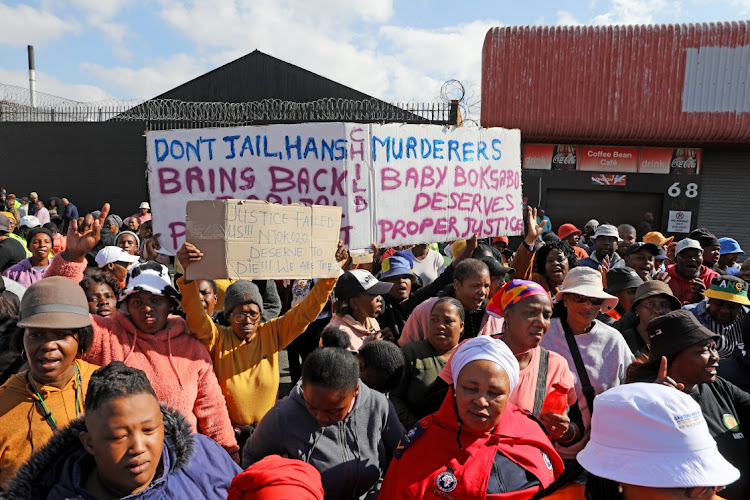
point(550, 157)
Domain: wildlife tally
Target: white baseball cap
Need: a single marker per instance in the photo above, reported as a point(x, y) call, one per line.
point(114, 254)
point(655, 436)
point(687, 243)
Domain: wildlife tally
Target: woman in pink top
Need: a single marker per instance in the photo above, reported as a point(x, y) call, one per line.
point(357, 302)
point(527, 310)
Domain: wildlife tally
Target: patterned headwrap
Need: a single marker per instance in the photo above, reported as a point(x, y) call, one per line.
point(512, 293)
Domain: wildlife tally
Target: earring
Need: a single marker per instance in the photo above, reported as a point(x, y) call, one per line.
point(619, 489)
point(23, 354)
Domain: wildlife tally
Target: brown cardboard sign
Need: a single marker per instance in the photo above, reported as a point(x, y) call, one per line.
point(253, 239)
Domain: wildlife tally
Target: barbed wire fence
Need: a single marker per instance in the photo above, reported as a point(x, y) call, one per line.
point(160, 114)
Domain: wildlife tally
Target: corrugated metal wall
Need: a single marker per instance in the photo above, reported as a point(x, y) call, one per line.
point(89, 163)
point(724, 197)
point(672, 85)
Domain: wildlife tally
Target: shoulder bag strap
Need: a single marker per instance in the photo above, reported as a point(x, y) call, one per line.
point(541, 381)
point(588, 390)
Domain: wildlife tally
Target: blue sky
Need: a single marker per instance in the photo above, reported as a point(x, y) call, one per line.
point(91, 50)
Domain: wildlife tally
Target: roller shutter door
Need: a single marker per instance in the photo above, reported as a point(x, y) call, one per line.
point(725, 193)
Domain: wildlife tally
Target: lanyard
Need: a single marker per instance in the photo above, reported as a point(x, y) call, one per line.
point(42, 407)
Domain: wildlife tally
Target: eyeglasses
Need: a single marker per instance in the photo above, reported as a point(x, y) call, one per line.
point(699, 491)
point(582, 299)
point(240, 315)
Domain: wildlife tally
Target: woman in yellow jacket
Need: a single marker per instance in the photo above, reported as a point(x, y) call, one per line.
point(246, 354)
point(53, 329)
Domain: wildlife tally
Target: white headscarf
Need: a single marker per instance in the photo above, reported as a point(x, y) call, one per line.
point(485, 347)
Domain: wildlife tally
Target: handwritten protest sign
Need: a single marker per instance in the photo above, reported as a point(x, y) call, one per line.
point(396, 184)
point(245, 239)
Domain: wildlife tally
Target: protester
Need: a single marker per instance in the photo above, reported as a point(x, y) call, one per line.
point(134, 223)
point(606, 240)
point(381, 365)
point(500, 244)
point(358, 302)
point(401, 300)
point(246, 354)
point(23, 208)
point(723, 311)
point(128, 241)
point(33, 197)
point(622, 282)
point(428, 264)
point(478, 445)
point(116, 262)
point(101, 291)
point(471, 286)
point(144, 335)
point(652, 299)
point(710, 244)
point(657, 239)
point(581, 339)
point(736, 367)
point(126, 446)
point(626, 232)
point(588, 231)
point(42, 214)
point(683, 355)
point(69, 213)
point(688, 277)
point(571, 235)
point(644, 227)
point(276, 478)
point(544, 221)
point(498, 273)
point(729, 252)
point(744, 273)
point(54, 327)
point(11, 251)
point(29, 271)
point(58, 240)
point(547, 266)
point(426, 358)
point(647, 442)
point(644, 258)
point(335, 423)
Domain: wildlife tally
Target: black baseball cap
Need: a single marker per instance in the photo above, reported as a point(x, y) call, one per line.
point(657, 252)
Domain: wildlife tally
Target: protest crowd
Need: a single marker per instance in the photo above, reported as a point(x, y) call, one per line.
point(460, 370)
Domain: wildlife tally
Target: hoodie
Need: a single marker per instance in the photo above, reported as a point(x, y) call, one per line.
point(193, 467)
point(23, 429)
point(176, 363)
point(351, 455)
point(24, 273)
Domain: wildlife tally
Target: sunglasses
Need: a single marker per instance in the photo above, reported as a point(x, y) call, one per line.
point(582, 299)
point(699, 491)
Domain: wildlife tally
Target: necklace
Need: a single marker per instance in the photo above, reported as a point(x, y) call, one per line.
point(42, 406)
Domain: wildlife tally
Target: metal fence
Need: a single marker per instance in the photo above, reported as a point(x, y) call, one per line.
point(161, 114)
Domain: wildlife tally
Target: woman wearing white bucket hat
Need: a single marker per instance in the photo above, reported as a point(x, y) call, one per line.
point(648, 441)
point(596, 353)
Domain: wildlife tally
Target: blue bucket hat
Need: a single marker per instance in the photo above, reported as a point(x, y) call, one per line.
point(729, 245)
point(396, 266)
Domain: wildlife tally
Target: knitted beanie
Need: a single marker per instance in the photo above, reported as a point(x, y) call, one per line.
point(242, 292)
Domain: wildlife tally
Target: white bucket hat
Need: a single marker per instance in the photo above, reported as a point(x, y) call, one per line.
point(588, 283)
point(607, 230)
point(654, 436)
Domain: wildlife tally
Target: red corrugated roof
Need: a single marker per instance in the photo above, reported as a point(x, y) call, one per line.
point(667, 84)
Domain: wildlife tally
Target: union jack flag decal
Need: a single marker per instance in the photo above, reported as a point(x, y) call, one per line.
point(609, 180)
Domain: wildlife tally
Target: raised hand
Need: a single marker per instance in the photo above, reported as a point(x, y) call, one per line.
point(83, 235)
point(534, 230)
point(664, 379)
point(188, 253)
